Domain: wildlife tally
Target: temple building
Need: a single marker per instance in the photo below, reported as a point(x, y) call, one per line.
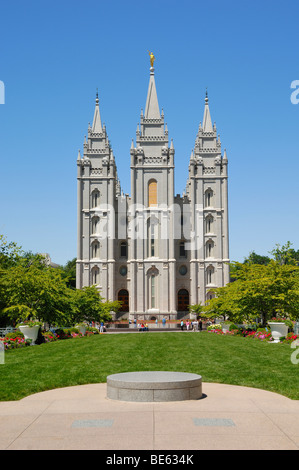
point(155, 251)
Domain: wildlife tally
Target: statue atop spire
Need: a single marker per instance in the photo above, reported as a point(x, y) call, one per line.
point(152, 58)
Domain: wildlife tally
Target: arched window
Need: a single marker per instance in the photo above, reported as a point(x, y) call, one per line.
point(152, 193)
point(208, 198)
point(95, 224)
point(95, 275)
point(209, 224)
point(209, 248)
point(153, 286)
point(210, 295)
point(95, 198)
point(210, 275)
point(153, 291)
point(95, 249)
point(152, 236)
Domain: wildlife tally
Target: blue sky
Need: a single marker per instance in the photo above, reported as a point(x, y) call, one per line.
point(53, 56)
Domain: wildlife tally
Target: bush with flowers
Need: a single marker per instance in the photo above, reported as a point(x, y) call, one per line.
point(14, 341)
point(262, 334)
point(289, 338)
point(213, 327)
point(48, 336)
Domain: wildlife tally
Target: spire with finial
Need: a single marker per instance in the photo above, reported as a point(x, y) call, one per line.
point(97, 125)
point(152, 110)
point(207, 121)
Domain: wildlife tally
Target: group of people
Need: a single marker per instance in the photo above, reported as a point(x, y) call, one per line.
point(193, 325)
point(99, 326)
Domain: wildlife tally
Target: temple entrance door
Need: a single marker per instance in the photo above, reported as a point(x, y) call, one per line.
point(183, 300)
point(123, 296)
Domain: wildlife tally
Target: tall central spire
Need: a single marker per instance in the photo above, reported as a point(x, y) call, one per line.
point(97, 124)
point(207, 121)
point(152, 106)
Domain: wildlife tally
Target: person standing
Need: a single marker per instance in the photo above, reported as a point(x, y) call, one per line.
point(182, 325)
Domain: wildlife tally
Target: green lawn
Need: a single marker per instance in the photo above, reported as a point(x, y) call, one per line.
point(222, 359)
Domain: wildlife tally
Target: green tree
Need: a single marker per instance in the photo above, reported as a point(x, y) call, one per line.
point(69, 271)
point(254, 258)
point(258, 291)
point(34, 291)
point(10, 253)
point(285, 254)
point(88, 305)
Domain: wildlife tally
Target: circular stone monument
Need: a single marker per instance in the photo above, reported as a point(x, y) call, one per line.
point(154, 386)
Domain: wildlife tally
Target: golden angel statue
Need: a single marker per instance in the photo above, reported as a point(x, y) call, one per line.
point(152, 58)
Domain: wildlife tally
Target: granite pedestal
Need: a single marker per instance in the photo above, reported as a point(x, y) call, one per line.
point(154, 386)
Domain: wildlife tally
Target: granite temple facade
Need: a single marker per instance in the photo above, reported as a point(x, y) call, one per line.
point(155, 251)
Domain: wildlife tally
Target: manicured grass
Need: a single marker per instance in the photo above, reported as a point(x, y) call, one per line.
point(222, 359)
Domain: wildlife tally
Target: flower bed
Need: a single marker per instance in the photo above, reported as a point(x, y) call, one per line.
point(14, 341)
point(260, 334)
point(17, 339)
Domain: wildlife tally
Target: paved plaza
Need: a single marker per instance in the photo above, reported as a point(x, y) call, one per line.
point(83, 418)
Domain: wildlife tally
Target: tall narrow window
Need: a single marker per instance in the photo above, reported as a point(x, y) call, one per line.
point(152, 236)
point(95, 275)
point(209, 249)
point(182, 250)
point(152, 241)
point(153, 296)
point(124, 250)
point(95, 198)
point(152, 193)
point(209, 224)
point(210, 275)
point(208, 198)
point(95, 250)
point(95, 222)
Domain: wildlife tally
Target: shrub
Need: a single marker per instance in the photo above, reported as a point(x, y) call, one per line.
point(16, 342)
point(61, 333)
point(289, 338)
point(14, 335)
point(49, 336)
point(92, 330)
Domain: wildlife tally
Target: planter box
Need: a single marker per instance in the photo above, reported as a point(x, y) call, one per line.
point(30, 332)
point(225, 328)
point(278, 330)
point(82, 329)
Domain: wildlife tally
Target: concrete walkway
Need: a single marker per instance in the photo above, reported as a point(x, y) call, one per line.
point(226, 418)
